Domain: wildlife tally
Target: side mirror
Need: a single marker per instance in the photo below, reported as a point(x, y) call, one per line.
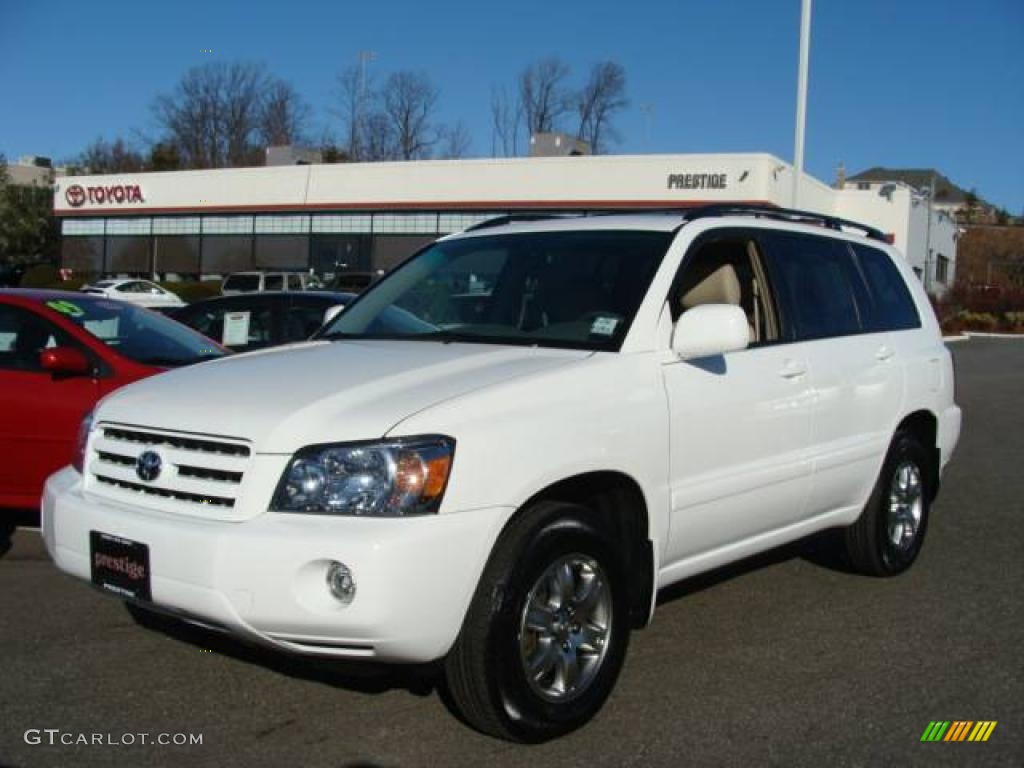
point(64, 361)
point(710, 329)
point(332, 312)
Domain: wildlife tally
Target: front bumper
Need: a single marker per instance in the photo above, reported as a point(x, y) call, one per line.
point(264, 579)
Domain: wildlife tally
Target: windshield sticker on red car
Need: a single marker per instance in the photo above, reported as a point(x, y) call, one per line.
point(66, 307)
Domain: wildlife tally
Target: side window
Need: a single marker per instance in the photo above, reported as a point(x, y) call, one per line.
point(819, 285)
point(246, 327)
point(728, 268)
point(23, 335)
point(892, 307)
point(302, 321)
point(273, 282)
point(294, 283)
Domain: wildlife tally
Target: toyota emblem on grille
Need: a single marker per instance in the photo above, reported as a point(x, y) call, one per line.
point(148, 465)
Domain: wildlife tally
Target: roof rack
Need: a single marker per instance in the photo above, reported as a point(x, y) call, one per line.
point(700, 212)
point(782, 214)
point(512, 218)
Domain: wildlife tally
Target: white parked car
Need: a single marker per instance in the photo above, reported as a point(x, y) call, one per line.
point(506, 483)
point(140, 292)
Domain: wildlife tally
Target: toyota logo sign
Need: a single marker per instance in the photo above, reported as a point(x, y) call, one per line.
point(105, 194)
point(75, 195)
point(148, 465)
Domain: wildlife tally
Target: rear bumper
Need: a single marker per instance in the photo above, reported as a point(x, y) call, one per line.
point(265, 579)
point(948, 435)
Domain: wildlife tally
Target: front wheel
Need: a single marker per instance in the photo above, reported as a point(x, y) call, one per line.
point(887, 537)
point(547, 631)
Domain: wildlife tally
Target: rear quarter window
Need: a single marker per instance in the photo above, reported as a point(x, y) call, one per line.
point(892, 307)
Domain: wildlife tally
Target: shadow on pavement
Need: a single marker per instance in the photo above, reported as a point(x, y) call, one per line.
point(822, 549)
point(360, 676)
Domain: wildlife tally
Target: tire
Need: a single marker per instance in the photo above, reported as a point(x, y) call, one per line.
point(888, 535)
point(486, 670)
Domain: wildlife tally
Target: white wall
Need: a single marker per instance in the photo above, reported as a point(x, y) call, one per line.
point(482, 184)
point(904, 215)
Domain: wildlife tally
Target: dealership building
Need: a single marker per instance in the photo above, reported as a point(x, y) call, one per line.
point(359, 217)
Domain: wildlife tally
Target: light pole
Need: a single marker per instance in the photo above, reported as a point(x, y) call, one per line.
point(928, 237)
point(801, 99)
point(647, 110)
point(365, 57)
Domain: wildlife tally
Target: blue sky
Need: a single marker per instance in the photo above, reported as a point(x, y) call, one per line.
point(906, 83)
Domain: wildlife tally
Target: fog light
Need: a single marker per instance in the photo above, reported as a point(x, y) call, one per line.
point(341, 582)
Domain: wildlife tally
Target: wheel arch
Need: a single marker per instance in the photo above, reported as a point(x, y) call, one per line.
point(924, 426)
point(620, 505)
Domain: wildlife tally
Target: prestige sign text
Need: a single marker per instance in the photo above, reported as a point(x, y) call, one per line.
point(697, 181)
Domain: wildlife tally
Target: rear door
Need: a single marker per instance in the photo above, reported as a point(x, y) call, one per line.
point(39, 412)
point(857, 383)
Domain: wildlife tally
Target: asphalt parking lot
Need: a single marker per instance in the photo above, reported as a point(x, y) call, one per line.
point(783, 660)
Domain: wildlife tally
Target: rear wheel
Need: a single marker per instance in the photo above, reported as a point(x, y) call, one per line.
point(888, 536)
point(547, 631)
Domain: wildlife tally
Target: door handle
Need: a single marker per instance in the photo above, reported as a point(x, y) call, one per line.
point(792, 369)
point(884, 352)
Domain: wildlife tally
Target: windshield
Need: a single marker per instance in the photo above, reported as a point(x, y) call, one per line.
point(137, 333)
point(557, 289)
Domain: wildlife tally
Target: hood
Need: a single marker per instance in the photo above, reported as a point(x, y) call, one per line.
point(318, 392)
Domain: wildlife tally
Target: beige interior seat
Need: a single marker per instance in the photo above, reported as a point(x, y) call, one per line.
point(720, 287)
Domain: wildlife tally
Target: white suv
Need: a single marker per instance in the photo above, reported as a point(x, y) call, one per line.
point(500, 452)
point(256, 282)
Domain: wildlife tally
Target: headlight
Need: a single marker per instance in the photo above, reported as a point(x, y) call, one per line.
point(389, 478)
point(82, 439)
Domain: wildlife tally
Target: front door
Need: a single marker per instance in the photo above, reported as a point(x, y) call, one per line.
point(741, 422)
point(39, 412)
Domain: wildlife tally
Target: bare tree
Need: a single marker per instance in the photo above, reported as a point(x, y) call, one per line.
point(601, 99)
point(212, 116)
point(455, 141)
point(356, 98)
point(283, 115)
point(379, 139)
point(110, 157)
point(544, 95)
point(506, 117)
point(409, 100)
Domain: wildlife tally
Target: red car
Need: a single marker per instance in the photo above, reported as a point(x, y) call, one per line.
point(61, 352)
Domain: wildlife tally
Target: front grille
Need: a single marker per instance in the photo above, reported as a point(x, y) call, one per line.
point(200, 445)
point(198, 474)
point(195, 498)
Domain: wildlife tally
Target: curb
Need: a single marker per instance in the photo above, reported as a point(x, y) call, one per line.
point(961, 337)
point(974, 334)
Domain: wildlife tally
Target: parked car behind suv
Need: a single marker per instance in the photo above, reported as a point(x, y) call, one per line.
point(251, 321)
point(505, 483)
point(141, 292)
point(60, 352)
